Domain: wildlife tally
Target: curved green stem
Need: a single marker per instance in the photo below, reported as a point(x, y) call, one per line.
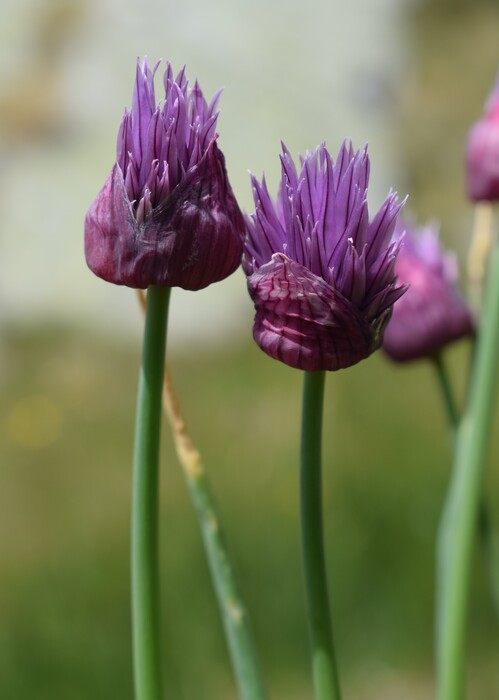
point(237, 629)
point(462, 507)
point(241, 647)
point(325, 674)
point(144, 543)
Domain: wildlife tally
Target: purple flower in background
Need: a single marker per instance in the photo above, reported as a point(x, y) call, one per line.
point(432, 312)
point(320, 274)
point(166, 215)
point(482, 153)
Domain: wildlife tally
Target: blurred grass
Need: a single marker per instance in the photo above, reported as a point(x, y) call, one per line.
point(64, 520)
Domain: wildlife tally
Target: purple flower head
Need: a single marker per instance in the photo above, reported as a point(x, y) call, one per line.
point(432, 313)
point(166, 214)
point(320, 274)
point(482, 153)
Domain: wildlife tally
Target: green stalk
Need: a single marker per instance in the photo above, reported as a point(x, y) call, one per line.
point(325, 674)
point(237, 630)
point(462, 508)
point(144, 542)
point(486, 532)
point(448, 398)
point(240, 642)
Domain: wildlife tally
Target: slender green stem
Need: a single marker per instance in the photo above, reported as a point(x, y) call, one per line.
point(144, 544)
point(237, 630)
point(325, 674)
point(488, 538)
point(243, 654)
point(462, 507)
point(449, 400)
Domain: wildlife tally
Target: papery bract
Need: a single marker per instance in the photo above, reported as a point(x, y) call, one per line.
point(166, 214)
point(482, 153)
point(320, 274)
point(432, 313)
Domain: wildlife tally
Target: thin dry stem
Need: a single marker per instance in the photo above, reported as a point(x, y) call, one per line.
point(479, 253)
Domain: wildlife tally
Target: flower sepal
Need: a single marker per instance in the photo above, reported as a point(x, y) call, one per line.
point(305, 322)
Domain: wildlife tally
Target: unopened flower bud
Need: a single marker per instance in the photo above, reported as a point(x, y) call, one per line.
point(432, 313)
point(482, 153)
point(166, 215)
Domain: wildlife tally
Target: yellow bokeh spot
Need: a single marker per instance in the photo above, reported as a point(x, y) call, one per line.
point(34, 422)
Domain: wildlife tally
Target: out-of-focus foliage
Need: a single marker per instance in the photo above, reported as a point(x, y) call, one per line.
point(64, 522)
point(452, 67)
point(31, 107)
point(428, 10)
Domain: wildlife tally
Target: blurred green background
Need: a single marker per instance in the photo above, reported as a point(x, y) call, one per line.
point(407, 77)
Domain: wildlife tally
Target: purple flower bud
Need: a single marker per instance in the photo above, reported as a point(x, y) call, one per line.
point(166, 214)
point(432, 312)
point(482, 153)
point(320, 274)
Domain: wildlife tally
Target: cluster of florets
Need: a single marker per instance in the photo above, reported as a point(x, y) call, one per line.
point(166, 215)
point(321, 275)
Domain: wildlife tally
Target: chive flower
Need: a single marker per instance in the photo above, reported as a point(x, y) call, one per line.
point(432, 313)
point(166, 215)
point(482, 153)
point(320, 274)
